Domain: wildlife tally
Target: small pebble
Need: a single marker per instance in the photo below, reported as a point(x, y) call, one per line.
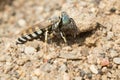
point(113, 53)
point(104, 62)
point(37, 72)
point(29, 50)
point(46, 67)
point(110, 35)
point(78, 78)
point(93, 69)
point(112, 10)
point(109, 74)
point(116, 60)
point(67, 48)
point(34, 78)
point(63, 68)
point(89, 75)
point(22, 22)
point(71, 55)
point(104, 69)
point(82, 73)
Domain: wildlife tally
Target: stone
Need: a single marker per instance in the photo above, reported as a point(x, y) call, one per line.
point(22, 22)
point(104, 62)
point(78, 78)
point(34, 78)
point(82, 73)
point(116, 60)
point(63, 68)
point(113, 53)
point(93, 69)
point(37, 72)
point(46, 67)
point(29, 50)
point(104, 69)
point(89, 75)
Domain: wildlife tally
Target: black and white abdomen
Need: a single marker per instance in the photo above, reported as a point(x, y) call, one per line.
point(29, 34)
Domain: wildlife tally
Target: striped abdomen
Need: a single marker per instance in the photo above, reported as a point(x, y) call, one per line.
point(29, 34)
point(36, 31)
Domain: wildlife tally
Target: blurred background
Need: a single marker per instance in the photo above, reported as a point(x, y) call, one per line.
point(17, 14)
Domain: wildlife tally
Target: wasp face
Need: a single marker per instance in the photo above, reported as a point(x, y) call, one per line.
point(65, 18)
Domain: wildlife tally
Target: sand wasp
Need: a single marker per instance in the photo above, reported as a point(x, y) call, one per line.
point(63, 25)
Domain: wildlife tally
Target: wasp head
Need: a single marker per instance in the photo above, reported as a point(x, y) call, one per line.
point(65, 18)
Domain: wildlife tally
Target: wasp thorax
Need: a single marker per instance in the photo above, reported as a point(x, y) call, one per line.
point(55, 22)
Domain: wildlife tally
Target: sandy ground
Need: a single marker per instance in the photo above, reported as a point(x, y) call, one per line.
point(93, 55)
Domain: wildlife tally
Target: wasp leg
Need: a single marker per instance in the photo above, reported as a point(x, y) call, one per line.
point(46, 40)
point(64, 38)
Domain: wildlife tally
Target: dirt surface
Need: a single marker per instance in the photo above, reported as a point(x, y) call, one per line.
point(93, 55)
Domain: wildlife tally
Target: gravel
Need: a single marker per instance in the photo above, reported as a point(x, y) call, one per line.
point(94, 54)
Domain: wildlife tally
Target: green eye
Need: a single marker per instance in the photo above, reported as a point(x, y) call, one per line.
point(65, 18)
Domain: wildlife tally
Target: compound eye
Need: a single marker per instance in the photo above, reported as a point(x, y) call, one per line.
point(65, 18)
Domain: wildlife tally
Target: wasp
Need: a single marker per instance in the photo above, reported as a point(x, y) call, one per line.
point(63, 25)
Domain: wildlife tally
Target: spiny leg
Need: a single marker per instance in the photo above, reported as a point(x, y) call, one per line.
point(64, 38)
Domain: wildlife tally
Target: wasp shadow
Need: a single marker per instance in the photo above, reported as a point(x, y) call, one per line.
point(79, 39)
